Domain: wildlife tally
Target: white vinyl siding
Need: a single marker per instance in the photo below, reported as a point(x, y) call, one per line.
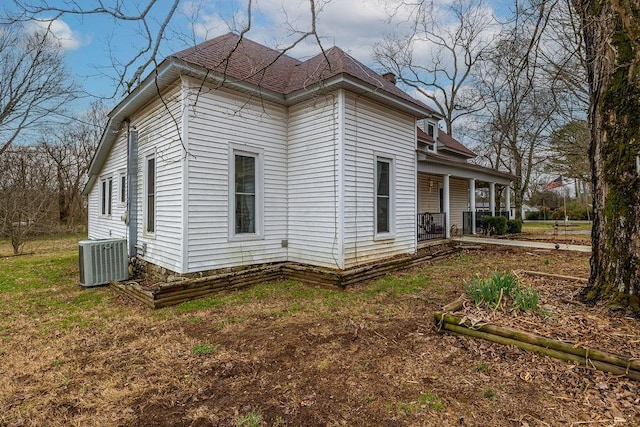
point(217, 121)
point(458, 201)
point(159, 131)
point(108, 225)
point(313, 175)
point(429, 193)
point(374, 130)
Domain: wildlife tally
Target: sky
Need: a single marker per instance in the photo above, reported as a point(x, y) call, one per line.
point(97, 46)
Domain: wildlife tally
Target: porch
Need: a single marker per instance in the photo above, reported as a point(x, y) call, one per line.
point(454, 205)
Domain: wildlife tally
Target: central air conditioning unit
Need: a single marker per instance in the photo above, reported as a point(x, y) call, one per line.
point(102, 261)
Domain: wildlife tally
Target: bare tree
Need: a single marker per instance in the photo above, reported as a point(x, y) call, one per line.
point(27, 206)
point(152, 19)
point(519, 104)
point(34, 83)
point(437, 56)
point(612, 46)
point(70, 148)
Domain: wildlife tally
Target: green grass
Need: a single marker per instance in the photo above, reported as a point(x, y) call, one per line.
point(203, 349)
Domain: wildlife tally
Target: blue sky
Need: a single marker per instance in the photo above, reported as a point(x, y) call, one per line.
point(97, 46)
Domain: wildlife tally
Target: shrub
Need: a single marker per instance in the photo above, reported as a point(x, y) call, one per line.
point(494, 225)
point(514, 226)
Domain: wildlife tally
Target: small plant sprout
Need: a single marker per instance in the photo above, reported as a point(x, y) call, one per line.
point(202, 349)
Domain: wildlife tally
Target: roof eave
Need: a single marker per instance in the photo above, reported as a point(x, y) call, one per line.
point(345, 81)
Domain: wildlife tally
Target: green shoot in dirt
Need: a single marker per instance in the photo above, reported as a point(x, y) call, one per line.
point(202, 349)
point(499, 287)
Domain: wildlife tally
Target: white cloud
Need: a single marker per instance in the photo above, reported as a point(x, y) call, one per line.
point(64, 36)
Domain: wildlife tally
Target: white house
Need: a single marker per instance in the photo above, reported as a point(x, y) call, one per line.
point(232, 154)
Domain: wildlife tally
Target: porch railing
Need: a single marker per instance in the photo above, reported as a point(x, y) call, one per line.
point(480, 215)
point(431, 226)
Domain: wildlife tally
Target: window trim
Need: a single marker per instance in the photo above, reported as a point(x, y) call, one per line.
point(122, 188)
point(391, 234)
point(258, 154)
point(106, 196)
point(145, 199)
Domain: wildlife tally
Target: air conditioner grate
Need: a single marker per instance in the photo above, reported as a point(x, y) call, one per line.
point(102, 261)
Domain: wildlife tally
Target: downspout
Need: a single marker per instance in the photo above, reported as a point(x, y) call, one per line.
point(132, 187)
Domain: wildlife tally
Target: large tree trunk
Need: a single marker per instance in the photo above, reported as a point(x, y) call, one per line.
point(612, 41)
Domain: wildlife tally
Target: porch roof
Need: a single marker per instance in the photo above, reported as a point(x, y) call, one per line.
point(440, 165)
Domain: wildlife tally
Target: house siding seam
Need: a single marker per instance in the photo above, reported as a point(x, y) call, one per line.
point(184, 113)
point(314, 182)
point(372, 129)
point(217, 120)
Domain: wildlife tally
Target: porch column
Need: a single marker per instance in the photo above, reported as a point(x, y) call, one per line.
point(492, 198)
point(507, 199)
point(445, 205)
point(472, 203)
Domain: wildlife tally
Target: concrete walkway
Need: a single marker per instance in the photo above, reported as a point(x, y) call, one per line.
point(521, 243)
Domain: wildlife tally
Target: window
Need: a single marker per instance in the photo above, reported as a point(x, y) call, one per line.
point(245, 194)
point(150, 194)
point(384, 196)
point(245, 183)
point(430, 130)
point(106, 196)
point(122, 188)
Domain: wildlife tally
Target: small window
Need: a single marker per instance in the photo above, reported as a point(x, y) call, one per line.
point(430, 147)
point(106, 196)
point(150, 194)
point(122, 188)
point(384, 196)
point(430, 130)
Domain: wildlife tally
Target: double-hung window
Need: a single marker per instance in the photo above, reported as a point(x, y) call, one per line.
point(150, 194)
point(245, 191)
point(384, 198)
point(106, 196)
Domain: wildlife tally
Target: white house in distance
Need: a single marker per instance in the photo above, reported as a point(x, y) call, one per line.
point(232, 154)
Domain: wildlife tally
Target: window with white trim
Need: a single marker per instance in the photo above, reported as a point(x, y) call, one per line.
point(245, 194)
point(384, 198)
point(150, 194)
point(122, 188)
point(106, 196)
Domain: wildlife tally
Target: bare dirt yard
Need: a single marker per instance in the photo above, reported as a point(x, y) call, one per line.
point(286, 354)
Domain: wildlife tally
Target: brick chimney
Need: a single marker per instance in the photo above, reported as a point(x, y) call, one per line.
point(390, 77)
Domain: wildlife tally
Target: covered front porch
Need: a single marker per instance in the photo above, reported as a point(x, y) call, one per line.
point(453, 199)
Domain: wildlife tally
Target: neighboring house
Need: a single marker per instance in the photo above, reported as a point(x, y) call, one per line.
point(250, 157)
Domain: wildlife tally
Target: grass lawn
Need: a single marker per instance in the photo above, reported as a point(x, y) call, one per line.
point(278, 354)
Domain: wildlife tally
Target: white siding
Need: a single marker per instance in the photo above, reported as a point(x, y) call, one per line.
point(159, 131)
point(217, 120)
point(429, 193)
point(370, 130)
point(313, 174)
point(109, 226)
point(458, 201)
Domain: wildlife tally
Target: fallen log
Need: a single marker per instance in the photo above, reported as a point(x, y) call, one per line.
point(526, 340)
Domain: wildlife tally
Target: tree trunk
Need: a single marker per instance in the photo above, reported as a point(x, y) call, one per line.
point(612, 42)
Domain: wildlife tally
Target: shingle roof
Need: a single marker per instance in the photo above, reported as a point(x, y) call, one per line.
point(452, 144)
point(242, 59)
point(248, 61)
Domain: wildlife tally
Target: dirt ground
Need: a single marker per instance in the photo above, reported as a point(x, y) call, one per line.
point(305, 358)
